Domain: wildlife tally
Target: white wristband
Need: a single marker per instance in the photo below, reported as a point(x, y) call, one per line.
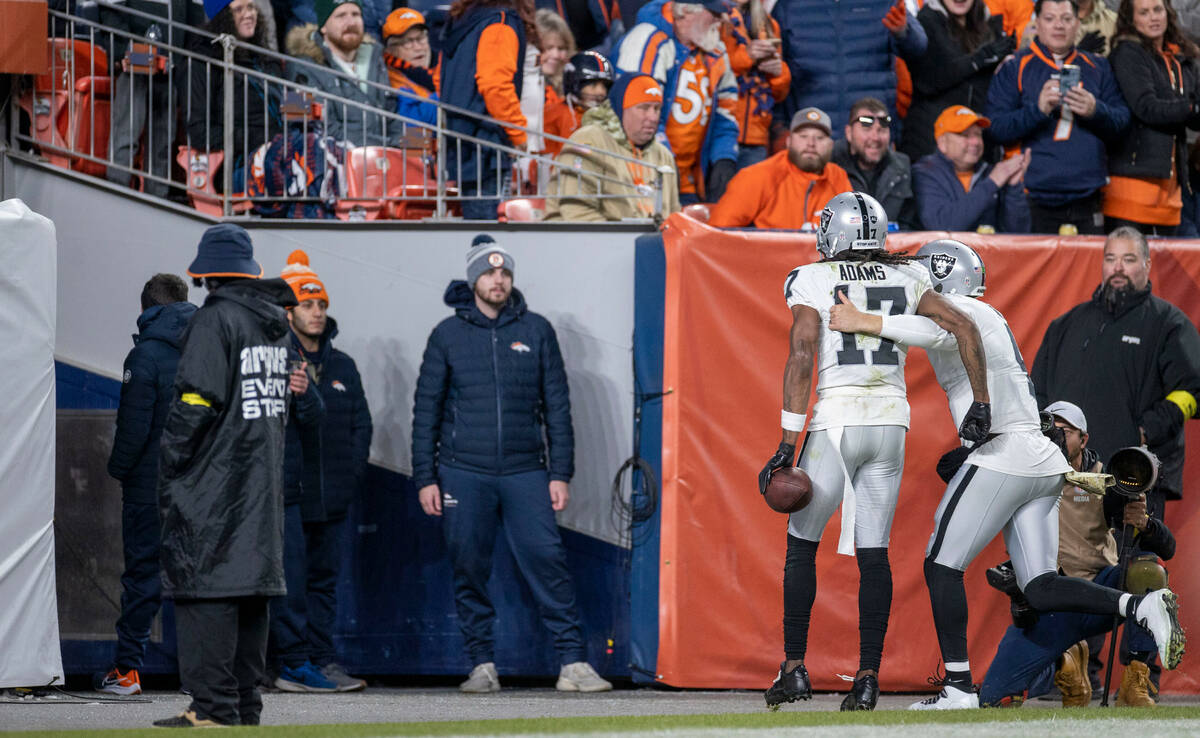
point(791, 421)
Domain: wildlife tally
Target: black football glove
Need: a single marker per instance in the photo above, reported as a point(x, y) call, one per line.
point(977, 423)
point(1093, 42)
point(783, 457)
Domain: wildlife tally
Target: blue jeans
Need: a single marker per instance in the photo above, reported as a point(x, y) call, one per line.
point(289, 613)
point(486, 183)
point(1024, 654)
point(141, 583)
point(473, 507)
point(302, 621)
point(750, 155)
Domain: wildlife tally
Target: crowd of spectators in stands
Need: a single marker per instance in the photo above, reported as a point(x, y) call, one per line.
point(1079, 110)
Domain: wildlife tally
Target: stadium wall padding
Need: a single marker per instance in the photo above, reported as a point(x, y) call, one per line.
point(722, 550)
point(386, 283)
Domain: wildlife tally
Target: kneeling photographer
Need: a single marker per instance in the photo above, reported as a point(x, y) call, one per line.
point(1044, 643)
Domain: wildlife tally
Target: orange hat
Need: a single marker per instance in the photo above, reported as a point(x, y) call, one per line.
point(956, 119)
point(303, 280)
point(641, 89)
point(400, 20)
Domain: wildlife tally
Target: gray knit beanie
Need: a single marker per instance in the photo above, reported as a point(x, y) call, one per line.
point(485, 255)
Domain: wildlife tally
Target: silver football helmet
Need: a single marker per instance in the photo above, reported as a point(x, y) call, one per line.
point(851, 220)
point(954, 267)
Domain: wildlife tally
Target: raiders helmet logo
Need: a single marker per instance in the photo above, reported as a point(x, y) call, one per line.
point(942, 264)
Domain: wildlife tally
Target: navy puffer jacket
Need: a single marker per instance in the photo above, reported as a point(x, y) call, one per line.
point(147, 389)
point(325, 463)
point(841, 51)
point(486, 390)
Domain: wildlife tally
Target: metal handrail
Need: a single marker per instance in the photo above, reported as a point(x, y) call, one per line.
point(444, 139)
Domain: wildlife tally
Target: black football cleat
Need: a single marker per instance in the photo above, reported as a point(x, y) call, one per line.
point(863, 695)
point(788, 687)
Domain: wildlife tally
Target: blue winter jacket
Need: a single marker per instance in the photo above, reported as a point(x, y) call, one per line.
point(487, 393)
point(458, 87)
point(945, 206)
point(146, 395)
point(841, 51)
point(325, 463)
point(1060, 170)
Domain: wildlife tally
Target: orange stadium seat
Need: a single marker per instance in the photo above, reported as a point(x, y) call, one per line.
point(377, 174)
point(201, 171)
point(69, 106)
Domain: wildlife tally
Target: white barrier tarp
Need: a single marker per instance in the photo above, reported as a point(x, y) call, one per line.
point(29, 648)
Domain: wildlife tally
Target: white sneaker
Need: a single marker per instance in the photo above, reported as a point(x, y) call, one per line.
point(950, 698)
point(581, 677)
point(1158, 612)
point(483, 679)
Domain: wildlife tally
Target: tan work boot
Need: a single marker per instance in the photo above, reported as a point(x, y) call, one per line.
point(1072, 677)
point(1136, 688)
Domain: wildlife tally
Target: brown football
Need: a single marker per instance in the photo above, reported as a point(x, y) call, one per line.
point(789, 490)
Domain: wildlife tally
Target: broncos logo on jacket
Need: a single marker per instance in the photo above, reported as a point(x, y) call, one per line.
point(699, 120)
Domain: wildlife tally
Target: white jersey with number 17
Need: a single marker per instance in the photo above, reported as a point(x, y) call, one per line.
point(860, 378)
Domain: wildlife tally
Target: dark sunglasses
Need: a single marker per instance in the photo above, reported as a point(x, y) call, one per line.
point(869, 120)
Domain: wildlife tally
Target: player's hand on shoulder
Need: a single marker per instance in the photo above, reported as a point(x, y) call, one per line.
point(844, 316)
point(977, 423)
point(783, 457)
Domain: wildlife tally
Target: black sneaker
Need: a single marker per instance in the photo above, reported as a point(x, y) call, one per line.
point(789, 687)
point(863, 695)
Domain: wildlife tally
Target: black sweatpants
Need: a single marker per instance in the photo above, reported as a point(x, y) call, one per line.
point(222, 655)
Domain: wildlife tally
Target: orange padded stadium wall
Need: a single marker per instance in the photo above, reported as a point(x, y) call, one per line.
point(23, 41)
point(722, 554)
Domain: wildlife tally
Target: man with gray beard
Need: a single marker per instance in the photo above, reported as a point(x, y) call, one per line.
point(790, 188)
point(1128, 357)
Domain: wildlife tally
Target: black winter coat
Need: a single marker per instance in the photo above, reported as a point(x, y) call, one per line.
point(220, 487)
point(146, 394)
point(893, 188)
point(1161, 113)
point(946, 75)
point(486, 390)
point(325, 463)
point(1119, 368)
point(256, 114)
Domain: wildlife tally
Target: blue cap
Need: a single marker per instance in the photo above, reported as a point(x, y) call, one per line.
point(225, 251)
point(212, 7)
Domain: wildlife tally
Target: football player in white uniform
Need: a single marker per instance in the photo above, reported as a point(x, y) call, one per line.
point(854, 449)
point(1010, 482)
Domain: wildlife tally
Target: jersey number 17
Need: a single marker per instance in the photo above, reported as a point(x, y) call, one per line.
point(886, 354)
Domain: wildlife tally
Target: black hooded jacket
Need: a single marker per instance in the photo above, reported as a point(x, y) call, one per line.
point(220, 488)
point(1118, 367)
point(325, 463)
point(146, 394)
point(488, 390)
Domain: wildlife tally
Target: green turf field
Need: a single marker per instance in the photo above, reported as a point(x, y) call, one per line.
point(1093, 723)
